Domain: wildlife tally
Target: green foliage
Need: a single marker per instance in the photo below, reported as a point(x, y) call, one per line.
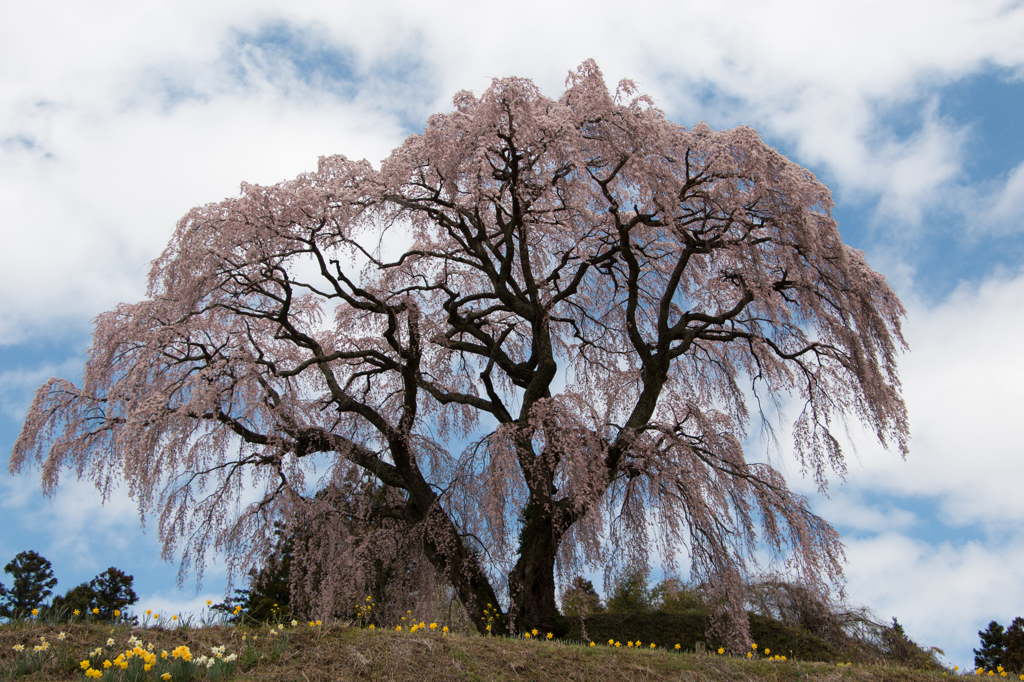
point(112, 591)
point(630, 593)
point(1001, 647)
point(33, 578)
point(990, 655)
point(78, 598)
point(1013, 641)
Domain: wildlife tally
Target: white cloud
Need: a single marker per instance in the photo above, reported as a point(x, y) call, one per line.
point(941, 594)
point(120, 117)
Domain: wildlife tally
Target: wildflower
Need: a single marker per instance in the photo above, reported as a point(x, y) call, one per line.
point(209, 601)
point(311, 623)
point(445, 629)
point(294, 623)
point(592, 644)
point(433, 626)
point(678, 647)
point(95, 612)
point(76, 612)
point(629, 644)
point(618, 644)
point(35, 612)
point(767, 651)
point(117, 613)
point(526, 635)
point(149, 612)
point(84, 664)
point(165, 677)
point(721, 650)
point(163, 654)
point(18, 647)
point(611, 642)
point(754, 647)
point(398, 628)
point(638, 644)
point(372, 627)
point(110, 641)
point(107, 663)
point(280, 627)
point(534, 631)
point(551, 635)
point(174, 617)
point(750, 655)
point(318, 623)
point(652, 645)
point(157, 616)
point(488, 629)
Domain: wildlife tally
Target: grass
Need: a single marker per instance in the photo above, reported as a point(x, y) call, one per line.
point(345, 652)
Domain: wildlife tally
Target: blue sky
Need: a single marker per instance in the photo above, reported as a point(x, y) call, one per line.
point(116, 118)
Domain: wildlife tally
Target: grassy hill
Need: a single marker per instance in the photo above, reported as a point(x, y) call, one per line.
point(311, 654)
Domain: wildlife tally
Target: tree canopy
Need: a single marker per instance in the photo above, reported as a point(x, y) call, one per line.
point(526, 332)
point(33, 578)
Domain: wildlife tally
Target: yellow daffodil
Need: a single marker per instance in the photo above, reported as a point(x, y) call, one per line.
point(652, 645)
point(209, 602)
point(107, 664)
point(767, 651)
point(551, 635)
point(754, 647)
point(117, 613)
point(371, 626)
point(678, 647)
point(165, 677)
point(95, 612)
point(750, 655)
point(76, 612)
point(433, 626)
point(534, 632)
point(35, 612)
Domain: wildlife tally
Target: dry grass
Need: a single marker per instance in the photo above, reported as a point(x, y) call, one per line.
point(307, 654)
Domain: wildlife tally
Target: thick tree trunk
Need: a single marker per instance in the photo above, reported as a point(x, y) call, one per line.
point(532, 581)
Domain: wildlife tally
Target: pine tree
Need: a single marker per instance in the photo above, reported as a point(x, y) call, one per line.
point(33, 578)
point(990, 655)
point(1013, 647)
point(113, 592)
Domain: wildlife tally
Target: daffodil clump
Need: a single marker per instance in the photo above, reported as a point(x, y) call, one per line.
point(998, 672)
point(138, 663)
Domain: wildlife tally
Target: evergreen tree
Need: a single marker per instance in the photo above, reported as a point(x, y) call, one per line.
point(630, 593)
point(79, 598)
point(33, 578)
point(1013, 647)
point(990, 655)
point(112, 591)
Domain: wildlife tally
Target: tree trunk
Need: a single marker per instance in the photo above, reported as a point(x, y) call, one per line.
point(532, 580)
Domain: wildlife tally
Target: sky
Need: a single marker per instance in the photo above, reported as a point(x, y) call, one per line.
point(117, 117)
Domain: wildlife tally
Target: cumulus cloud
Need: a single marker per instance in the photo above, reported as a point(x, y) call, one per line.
point(112, 130)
